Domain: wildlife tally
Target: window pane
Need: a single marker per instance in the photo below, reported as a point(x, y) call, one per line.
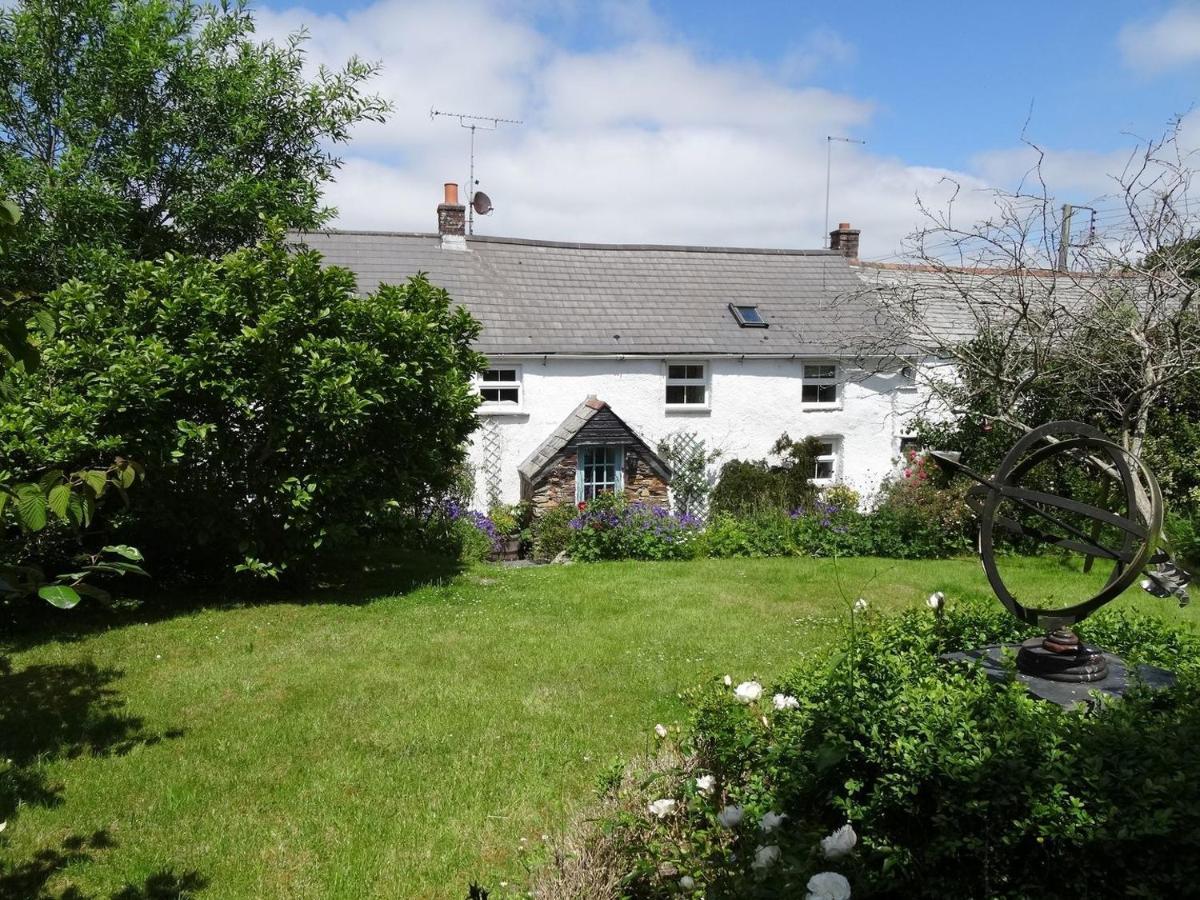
point(749, 314)
point(675, 393)
point(826, 393)
point(820, 371)
point(694, 393)
point(825, 448)
point(809, 393)
point(696, 372)
point(677, 372)
point(500, 395)
point(823, 469)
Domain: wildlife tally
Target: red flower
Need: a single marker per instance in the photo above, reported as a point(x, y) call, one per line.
point(582, 504)
point(908, 473)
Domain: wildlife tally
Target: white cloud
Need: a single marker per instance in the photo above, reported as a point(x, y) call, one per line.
point(1170, 41)
point(642, 140)
point(821, 50)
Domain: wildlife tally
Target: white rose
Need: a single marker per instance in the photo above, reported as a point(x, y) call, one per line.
point(771, 820)
point(839, 843)
point(662, 808)
point(828, 886)
point(765, 857)
point(860, 605)
point(936, 600)
point(730, 816)
point(728, 681)
point(687, 882)
point(748, 691)
point(660, 730)
point(785, 701)
point(705, 784)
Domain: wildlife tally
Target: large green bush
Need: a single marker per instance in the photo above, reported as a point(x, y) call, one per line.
point(750, 487)
point(954, 786)
point(278, 414)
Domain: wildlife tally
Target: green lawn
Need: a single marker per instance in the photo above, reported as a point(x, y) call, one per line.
point(395, 746)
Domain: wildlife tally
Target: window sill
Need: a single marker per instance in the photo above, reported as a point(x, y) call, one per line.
point(698, 409)
point(818, 407)
point(500, 411)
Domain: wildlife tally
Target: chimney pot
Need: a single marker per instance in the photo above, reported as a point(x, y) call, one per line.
point(845, 240)
point(452, 196)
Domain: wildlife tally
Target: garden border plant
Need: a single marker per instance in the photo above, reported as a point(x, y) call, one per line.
point(880, 763)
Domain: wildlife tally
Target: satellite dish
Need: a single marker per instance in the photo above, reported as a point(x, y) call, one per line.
point(481, 203)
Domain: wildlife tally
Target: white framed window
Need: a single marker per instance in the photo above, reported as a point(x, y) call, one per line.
point(825, 462)
point(687, 385)
point(820, 385)
point(501, 389)
point(598, 470)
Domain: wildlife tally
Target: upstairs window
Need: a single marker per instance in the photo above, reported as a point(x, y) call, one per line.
point(500, 389)
point(820, 385)
point(748, 316)
point(825, 461)
point(687, 385)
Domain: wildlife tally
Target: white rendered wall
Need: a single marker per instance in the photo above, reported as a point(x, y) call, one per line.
point(751, 403)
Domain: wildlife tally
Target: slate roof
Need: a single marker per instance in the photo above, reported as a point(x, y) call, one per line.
point(575, 425)
point(548, 297)
point(937, 296)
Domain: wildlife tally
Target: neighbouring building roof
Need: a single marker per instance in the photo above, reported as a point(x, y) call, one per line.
point(546, 297)
point(938, 295)
point(593, 421)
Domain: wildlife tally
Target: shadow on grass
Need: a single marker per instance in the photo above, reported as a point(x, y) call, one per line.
point(366, 578)
point(30, 880)
point(50, 712)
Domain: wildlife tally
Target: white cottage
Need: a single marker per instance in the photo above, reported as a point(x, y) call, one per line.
point(597, 351)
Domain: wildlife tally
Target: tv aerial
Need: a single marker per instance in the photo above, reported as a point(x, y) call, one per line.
point(478, 202)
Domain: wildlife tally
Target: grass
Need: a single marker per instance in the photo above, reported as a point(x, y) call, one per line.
point(392, 748)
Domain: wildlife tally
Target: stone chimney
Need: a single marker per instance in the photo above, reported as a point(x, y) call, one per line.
point(845, 240)
point(452, 220)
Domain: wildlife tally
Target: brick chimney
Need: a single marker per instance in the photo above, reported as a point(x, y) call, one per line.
point(844, 240)
point(452, 219)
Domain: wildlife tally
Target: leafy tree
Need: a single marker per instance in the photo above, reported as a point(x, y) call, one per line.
point(160, 125)
point(73, 498)
point(278, 413)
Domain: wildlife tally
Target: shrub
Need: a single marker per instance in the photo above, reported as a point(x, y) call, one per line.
point(917, 517)
point(748, 488)
point(609, 528)
point(552, 532)
point(953, 785)
point(475, 536)
point(278, 413)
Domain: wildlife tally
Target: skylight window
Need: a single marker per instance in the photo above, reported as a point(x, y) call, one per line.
point(748, 316)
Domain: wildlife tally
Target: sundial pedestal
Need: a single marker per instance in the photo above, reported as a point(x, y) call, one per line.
point(1061, 656)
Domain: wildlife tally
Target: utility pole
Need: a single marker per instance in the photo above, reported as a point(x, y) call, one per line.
point(1064, 239)
point(829, 139)
point(472, 122)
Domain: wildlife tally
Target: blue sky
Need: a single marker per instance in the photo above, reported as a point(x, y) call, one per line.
point(619, 97)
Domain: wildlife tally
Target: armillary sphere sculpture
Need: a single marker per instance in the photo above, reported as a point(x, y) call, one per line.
point(1068, 486)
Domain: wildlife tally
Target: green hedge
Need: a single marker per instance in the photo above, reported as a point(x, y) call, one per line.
point(952, 785)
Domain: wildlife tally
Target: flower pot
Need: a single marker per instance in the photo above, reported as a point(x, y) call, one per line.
point(510, 549)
